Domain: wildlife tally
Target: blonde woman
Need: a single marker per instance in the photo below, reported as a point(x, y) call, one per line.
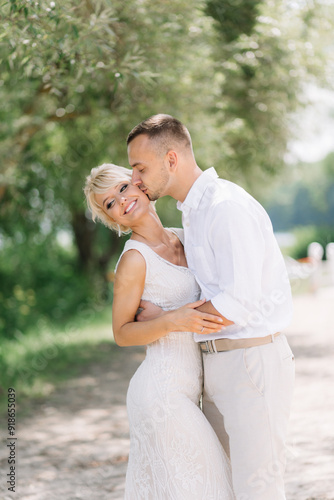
point(174, 452)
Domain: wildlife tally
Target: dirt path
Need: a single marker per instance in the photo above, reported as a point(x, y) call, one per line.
point(310, 470)
point(74, 445)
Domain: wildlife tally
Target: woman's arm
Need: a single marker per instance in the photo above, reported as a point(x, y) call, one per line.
point(128, 290)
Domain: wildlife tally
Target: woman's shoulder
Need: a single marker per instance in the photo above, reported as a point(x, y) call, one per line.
point(133, 255)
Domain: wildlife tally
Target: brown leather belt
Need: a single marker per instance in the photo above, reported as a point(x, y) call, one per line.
point(220, 345)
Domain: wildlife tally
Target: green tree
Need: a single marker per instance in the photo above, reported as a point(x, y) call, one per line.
point(233, 17)
point(75, 78)
point(266, 53)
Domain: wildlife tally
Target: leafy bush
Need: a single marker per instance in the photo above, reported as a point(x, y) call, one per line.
point(40, 283)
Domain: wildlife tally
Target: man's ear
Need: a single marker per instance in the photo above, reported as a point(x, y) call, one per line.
point(172, 160)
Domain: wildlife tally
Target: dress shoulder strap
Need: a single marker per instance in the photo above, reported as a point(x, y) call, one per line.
point(143, 249)
point(149, 255)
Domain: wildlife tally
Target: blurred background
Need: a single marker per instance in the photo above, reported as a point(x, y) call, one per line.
point(252, 80)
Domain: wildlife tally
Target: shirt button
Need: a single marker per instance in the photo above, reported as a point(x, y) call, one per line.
point(187, 224)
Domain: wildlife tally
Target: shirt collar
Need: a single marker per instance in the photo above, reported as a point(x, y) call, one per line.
point(197, 190)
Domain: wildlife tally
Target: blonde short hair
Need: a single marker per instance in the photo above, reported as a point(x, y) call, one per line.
point(100, 180)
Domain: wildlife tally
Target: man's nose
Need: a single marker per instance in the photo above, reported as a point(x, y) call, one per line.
point(136, 181)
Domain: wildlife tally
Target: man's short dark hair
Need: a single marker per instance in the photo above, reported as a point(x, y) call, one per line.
point(162, 127)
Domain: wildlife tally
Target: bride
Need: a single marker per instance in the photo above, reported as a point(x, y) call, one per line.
point(174, 452)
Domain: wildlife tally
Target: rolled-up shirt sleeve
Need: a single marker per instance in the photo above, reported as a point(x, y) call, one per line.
point(237, 241)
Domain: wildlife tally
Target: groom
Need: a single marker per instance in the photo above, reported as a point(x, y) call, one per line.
point(231, 249)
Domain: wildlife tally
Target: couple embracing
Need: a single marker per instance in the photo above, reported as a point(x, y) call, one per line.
point(214, 297)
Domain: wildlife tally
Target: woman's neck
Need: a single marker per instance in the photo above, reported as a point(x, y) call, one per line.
point(163, 242)
point(150, 230)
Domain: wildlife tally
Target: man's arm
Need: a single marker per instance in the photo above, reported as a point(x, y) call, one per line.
point(238, 245)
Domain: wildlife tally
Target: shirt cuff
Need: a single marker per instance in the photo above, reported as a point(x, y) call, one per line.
point(230, 308)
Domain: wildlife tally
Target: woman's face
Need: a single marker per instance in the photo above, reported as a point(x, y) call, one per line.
point(124, 203)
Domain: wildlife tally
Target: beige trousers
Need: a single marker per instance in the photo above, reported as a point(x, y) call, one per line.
point(247, 398)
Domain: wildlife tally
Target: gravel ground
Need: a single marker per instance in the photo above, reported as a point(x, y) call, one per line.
point(74, 444)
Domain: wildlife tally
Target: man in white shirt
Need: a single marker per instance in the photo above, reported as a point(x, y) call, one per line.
point(231, 249)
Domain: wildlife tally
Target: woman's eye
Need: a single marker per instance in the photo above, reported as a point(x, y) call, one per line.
point(123, 187)
point(109, 205)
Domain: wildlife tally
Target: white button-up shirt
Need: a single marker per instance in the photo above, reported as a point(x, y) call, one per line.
point(231, 248)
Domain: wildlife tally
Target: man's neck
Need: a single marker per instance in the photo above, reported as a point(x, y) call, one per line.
point(184, 182)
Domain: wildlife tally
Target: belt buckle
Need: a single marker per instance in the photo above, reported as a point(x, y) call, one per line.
point(210, 348)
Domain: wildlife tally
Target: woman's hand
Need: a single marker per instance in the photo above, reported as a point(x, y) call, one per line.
point(184, 319)
point(188, 319)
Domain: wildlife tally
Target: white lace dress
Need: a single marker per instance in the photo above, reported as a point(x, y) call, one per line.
point(174, 452)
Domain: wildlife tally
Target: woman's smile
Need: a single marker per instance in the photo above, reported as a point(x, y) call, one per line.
point(130, 207)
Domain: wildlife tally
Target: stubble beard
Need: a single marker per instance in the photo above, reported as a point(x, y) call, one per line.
point(160, 191)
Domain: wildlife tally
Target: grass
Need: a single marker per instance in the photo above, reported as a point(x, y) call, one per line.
point(36, 363)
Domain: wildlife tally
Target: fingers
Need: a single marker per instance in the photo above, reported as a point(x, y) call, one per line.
point(143, 303)
point(140, 317)
point(208, 327)
point(211, 319)
point(189, 319)
point(205, 330)
point(194, 305)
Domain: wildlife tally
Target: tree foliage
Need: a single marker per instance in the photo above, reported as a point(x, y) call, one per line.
point(233, 17)
point(75, 77)
point(264, 61)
